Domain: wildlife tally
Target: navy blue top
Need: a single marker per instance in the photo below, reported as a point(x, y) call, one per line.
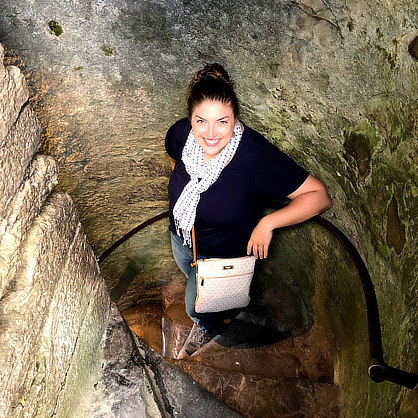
point(230, 209)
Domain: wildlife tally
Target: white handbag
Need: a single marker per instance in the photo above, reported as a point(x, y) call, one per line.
point(222, 283)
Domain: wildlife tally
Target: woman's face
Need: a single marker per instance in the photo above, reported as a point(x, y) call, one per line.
point(213, 126)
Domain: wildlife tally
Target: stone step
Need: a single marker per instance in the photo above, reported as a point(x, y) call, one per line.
point(251, 367)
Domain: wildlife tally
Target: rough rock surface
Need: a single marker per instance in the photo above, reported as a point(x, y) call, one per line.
point(16, 152)
point(136, 382)
point(13, 94)
point(121, 388)
point(39, 180)
point(53, 301)
point(178, 394)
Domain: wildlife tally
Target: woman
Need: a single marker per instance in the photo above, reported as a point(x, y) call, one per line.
point(223, 174)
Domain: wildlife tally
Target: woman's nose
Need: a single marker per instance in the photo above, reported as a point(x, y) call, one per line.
point(211, 131)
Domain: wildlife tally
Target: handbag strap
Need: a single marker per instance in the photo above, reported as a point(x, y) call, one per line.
point(194, 263)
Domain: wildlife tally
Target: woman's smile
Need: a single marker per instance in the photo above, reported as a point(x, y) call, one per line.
point(212, 142)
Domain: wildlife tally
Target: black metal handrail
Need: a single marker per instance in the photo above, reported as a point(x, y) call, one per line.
point(120, 241)
point(378, 370)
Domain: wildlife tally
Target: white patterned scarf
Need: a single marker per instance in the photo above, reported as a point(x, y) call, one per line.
point(202, 176)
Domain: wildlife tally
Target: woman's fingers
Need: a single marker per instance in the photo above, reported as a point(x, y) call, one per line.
point(258, 251)
point(255, 251)
point(249, 247)
point(259, 241)
point(265, 251)
point(252, 249)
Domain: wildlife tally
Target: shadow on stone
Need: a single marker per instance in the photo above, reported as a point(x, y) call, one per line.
point(245, 331)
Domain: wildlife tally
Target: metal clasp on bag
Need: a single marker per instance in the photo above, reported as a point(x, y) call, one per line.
point(231, 267)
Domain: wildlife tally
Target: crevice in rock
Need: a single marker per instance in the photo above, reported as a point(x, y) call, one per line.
point(413, 48)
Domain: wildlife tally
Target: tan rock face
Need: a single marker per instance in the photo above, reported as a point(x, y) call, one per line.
point(13, 94)
point(16, 153)
point(39, 180)
point(26, 309)
point(54, 304)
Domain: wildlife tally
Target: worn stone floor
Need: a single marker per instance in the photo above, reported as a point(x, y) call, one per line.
point(254, 370)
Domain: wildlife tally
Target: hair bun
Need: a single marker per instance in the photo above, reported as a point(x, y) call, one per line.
point(216, 71)
point(212, 71)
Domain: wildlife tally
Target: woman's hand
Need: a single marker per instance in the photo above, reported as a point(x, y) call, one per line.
point(172, 163)
point(260, 240)
point(309, 200)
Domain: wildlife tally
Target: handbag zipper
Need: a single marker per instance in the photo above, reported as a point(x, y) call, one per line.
point(223, 277)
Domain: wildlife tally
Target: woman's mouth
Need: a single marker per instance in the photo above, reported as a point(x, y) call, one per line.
point(212, 142)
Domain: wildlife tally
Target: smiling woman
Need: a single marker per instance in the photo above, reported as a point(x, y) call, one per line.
point(223, 174)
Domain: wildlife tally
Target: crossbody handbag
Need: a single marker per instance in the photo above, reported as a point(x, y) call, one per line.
point(222, 283)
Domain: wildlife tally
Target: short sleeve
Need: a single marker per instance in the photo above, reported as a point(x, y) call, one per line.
point(277, 175)
point(176, 138)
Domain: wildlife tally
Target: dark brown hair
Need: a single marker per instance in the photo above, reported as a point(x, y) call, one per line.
point(211, 83)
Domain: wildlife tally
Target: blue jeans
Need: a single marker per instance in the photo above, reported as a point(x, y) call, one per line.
point(183, 255)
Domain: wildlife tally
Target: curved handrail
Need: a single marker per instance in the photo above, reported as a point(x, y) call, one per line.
point(378, 370)
point(120, 241)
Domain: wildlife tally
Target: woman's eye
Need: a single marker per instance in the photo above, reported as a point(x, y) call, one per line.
point(223, 122)
point(200, 121)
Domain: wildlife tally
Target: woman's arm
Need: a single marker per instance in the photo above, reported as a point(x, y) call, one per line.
point(310, 199)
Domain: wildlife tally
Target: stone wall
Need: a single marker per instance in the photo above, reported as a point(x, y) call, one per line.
point(54, 304)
